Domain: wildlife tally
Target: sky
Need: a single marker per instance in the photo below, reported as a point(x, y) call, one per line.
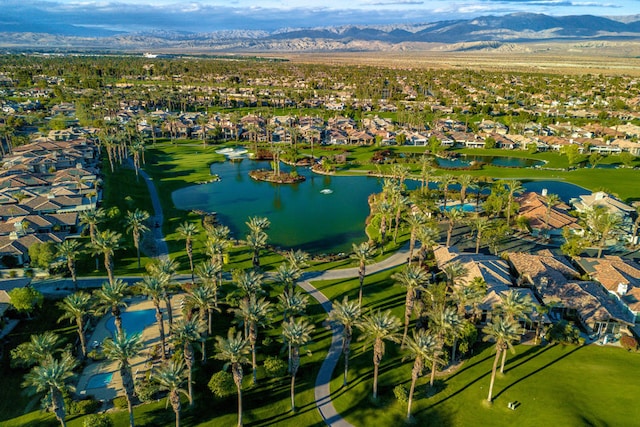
point(202, 16)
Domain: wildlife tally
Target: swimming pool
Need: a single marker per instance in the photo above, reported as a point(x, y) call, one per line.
point(99, 380)
point(467, 207)
point(133, 322)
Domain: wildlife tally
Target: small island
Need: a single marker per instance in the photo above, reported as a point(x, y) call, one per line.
point(278, 178)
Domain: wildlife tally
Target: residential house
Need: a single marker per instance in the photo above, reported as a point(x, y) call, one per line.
point(533, 207)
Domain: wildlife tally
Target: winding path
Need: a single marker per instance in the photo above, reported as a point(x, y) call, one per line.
point(322, 390)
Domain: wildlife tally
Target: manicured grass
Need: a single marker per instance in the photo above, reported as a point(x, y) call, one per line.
point(556, 385)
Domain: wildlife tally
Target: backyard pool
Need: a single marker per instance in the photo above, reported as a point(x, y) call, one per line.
point(467, 207)
point(100, 380)
point(133, 322)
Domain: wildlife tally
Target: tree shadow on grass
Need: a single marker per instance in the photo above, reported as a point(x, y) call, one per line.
point(546, 365)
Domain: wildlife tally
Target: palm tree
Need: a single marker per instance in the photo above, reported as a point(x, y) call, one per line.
point(415, 221)
point(171, 377)
point(426, 171)
point(153, 287)
point(503, 332)
point(292, 303)
point(413, 278)
point(479, 224)
point(287, 274)
point(52, 377)
point(247, 283)
point(602, 225)
point(75, 307)
point(513, 187)
point(298, 259)
point(297, 332)
point(379, 327)
point(110, 297)
point(428, 237)
point(514, 306)
point(36, 350)
point(254, 312)
point(187, 230)
point(256, 241)
point(423, 349)
point(69, 250)
point(92, 218)
point(135, 222)
point(122, 349)
point(363, 253)
point(551, 201)
point(185, 332)
point(258, 223)
point(208, 272)
point(444, 183)
point(234, 350)
point(166, 267)
point(347, 314)
point(443, 323)
point(106, 243)
point(203, 297)
point(465, 182)
point(453, 216)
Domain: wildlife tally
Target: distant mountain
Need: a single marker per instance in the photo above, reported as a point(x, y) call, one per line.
point(483, 32)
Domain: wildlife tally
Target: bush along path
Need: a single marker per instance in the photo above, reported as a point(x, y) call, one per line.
point(322, 391)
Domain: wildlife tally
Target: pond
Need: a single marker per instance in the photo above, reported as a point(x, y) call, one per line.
point(321, 214)
point(324, 214)
point(465, 161)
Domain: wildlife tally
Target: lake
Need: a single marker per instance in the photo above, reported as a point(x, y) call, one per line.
point(324, 214)
point(465, 161)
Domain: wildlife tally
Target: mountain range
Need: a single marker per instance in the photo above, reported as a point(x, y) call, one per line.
point(481, 32)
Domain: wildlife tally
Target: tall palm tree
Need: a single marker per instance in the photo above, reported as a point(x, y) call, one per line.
point(185, 332)
point(106, 243)
point(453, 216)
point(415, 221)
point(187, 230)
point(465, 182)
point(69, 250)
point(514, 306)
point(110, 297)
point(254, 313)
point(428, 237)
point(247, 283)
point(347, 314)
point(257, 241)
point(298, 259)
point(551, 200)
point(135, 223)
point(52, 377)
point(444, 182)
point(171, 377)
point(379, 327)
point(203, 298)
point(208, 272)
point(513, 187)
point(503, 333)
point(292, 303)
point(602, 226)
point(287, 274)
point(153, 287)
point(297, 332)
point(234, 350)
point(363, 253)
point(423, 348)
point(75, 308)
point(479, 224)
point(426, 171)
point(36, 350)
point(413, 278)
point(258, 223)
point(443, 323)
point(122, 349)
point(92, 218)
point(166, 267)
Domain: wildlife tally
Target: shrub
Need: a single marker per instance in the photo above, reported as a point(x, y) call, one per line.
point(400, 392)
point(275, 367)
point(95, 355)
point(221, 384)
point(97, 420)
point(120, 402)
point(563, 332)
point(86, 406)
point(146, 390)
point(629, 343)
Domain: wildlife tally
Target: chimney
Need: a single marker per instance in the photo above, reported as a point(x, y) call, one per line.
point(622, 288)
point(544, 192)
